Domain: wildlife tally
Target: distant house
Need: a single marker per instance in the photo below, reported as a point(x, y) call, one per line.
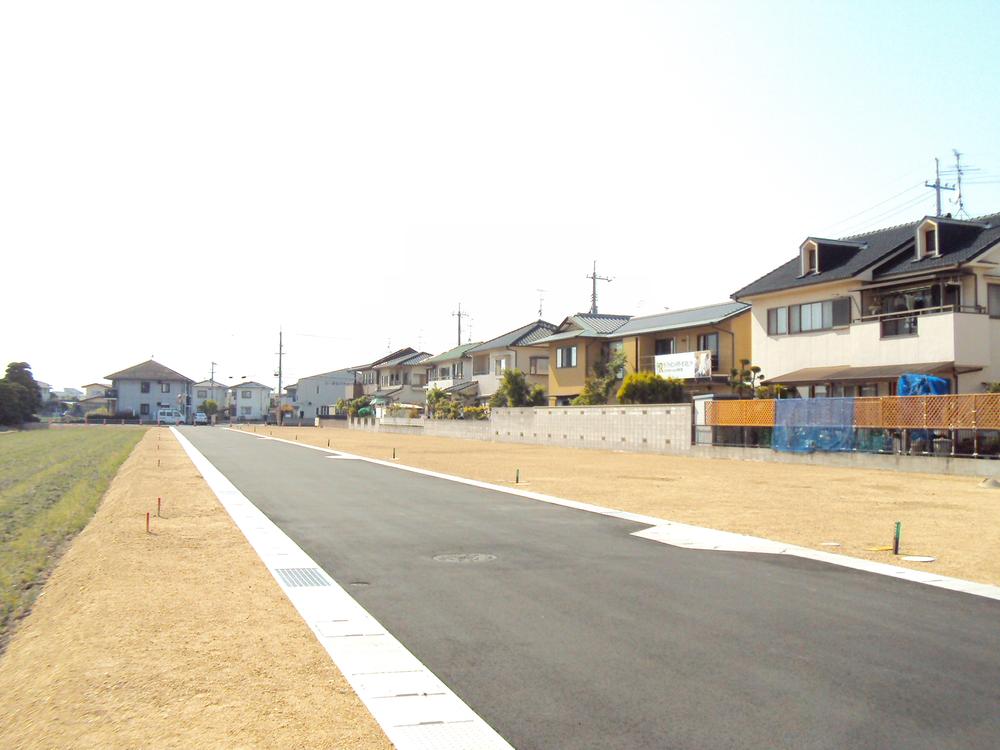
point(316, 395)
point(367, 376)
point(249, 401)
point(92, 390)
point(44, 390)
point(144, 389)
point(514, 350)
point(209, 390)
point(451, 372)
point(69, 394)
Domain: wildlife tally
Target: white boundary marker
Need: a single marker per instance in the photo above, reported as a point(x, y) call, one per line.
point(416, 710)
point(692, 537)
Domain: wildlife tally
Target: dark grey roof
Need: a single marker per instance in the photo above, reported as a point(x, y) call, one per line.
point(382, 360)
point(875, 247)
point(457, 353)
point(345, 376)
point(694, 316)
point(524, 336)
point(251, 384)
point(960, 242)
point(148, 370)
point(463, 386)
point(210, 384)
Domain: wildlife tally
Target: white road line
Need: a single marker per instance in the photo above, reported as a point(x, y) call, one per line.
point(698, 537)
point(416, 710)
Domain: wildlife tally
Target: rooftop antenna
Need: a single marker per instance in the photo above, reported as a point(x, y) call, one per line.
point(460, 315)
point(938, 187)
point(958, 194)
point(594, 278)
point(541, 298)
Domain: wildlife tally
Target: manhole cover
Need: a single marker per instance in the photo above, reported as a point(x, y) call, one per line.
point(464, 557)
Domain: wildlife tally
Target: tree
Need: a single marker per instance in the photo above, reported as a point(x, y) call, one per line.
point(20, 372)
point(514, 391)
point(209, 407)
point(14, 402)
point(747, 378)
point(597, 390)
point(649, 388)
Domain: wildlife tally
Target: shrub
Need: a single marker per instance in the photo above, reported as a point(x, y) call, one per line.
point(476, 412)
point(649, 388)
point(515, 391)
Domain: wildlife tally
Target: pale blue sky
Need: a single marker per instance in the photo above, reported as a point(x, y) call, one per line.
point(353, 171)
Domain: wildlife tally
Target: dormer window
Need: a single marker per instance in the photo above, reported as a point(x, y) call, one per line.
point(927, 241)
point(810, 258)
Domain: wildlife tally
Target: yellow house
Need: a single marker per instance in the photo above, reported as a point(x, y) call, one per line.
point(584, 339)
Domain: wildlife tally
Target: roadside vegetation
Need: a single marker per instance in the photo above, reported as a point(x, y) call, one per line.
point(51, 482)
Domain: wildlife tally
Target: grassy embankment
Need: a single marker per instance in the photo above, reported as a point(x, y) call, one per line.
point(51, 482)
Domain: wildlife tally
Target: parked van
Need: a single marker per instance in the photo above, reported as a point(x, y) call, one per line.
point(169, 416)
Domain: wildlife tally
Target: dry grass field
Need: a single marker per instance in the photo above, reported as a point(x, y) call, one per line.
point(178, 638)
point(950, 518)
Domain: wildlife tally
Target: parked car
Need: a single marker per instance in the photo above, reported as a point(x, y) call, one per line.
point(169, 416)
point(200, 417)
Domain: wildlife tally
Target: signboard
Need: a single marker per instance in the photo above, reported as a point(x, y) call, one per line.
point(685, 365)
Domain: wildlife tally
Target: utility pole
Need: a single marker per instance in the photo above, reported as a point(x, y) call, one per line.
point(541, 298)
point(936, 185)
point(958, 172)
point(460, 315)
point(594, 278)
point(281, 354)
point(211, 378)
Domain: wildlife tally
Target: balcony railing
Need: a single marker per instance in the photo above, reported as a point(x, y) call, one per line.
point(905, 322)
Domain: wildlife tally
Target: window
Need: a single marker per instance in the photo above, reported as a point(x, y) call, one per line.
point(144, 387)
point(443, 373)
point(810, 258)
point(811, 316)
point(202, 393)
point(499, 366)
point(246, 394)
point(869, 390)
point(540, 365)
point(144, 410)
point(777, 321)
point(481, 364)
point(566, 356)
point(164, 387)
point(993, 300)
point(663, 346)
point(246, 411)
point(710, 342)
point(614, 349)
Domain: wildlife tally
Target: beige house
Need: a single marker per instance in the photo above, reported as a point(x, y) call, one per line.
point(849, 316)
point(573, 348)
point(514, 350)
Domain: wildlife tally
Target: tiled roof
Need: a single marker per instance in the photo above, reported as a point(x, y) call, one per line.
point(210, 384)
point(148, 370)
point(457, 353)
point(345, 376)
point(694, 316)
point(872, 248)
point(526, 335)
point(382, 360)
point(586, 325)
point(960, 249)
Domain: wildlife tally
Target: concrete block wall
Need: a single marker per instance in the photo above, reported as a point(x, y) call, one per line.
point(663, 428)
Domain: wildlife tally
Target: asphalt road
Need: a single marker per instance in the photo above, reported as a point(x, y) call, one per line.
point(578, 635)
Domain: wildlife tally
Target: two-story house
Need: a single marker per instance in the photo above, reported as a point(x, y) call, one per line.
point(249, 401)
point(209, 390)
point(144, 389)
point(316, 395)
point(573, 347)
point(849, 316)
point(451, 371)
point(368, 375)
point(514, 350)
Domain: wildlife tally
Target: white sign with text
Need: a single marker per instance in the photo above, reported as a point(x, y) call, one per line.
point(684, 365)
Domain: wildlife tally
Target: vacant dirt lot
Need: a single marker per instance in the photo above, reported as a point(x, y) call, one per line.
point(179, 638)
point(950, 518)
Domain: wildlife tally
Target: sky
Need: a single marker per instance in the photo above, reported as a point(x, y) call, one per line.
point(181, 181)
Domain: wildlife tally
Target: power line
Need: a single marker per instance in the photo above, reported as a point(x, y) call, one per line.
point(877, 205)
point(910, 204)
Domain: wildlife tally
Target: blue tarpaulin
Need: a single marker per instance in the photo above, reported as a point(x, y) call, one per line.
point(921, 385)
point(803, 425)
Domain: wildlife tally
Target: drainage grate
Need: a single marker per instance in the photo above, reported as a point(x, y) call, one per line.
point(301, 577)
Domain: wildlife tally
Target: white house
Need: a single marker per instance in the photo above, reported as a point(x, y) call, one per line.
point(144, 389)
point(847, 317)
point(249, 401)
point(208, 390)
point(44, 390)
point(96, 390)
point(513, 350)
point(316, 395)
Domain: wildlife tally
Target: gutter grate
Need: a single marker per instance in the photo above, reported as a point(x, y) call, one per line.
point(301, 577)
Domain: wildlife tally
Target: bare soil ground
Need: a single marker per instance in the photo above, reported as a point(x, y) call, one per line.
point(179, 638)
point(950, 518)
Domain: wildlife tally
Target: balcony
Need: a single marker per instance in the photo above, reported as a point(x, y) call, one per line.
point(907, 322)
